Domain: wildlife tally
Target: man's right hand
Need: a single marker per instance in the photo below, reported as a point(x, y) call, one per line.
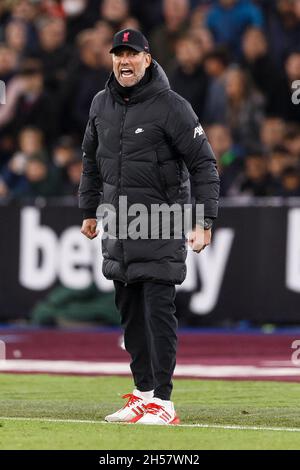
point(89, 228)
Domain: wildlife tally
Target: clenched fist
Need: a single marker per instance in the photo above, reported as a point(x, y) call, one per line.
point(89, 228)
point(199, 239)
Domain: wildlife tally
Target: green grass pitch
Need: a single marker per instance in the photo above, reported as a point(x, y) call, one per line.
point(80, 404)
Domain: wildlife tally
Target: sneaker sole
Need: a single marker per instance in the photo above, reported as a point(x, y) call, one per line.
point(117, 420)
point(175, 421)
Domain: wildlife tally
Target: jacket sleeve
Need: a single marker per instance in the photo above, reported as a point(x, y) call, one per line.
point(90, 188)
point(189, 140)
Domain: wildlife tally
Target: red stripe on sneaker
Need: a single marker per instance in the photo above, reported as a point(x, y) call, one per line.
point(135, 411)
point(164, 417)
point(136, 418)
point(140, 409)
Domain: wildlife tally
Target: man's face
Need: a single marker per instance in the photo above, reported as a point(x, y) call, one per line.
point(255, 168)
point(272, 132)
point(188, 52)
point(129, 66)
point(292, 66)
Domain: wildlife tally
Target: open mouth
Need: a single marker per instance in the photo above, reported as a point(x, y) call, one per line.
point(126, 72)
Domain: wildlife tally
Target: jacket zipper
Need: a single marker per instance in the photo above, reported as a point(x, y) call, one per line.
point(121, 147)
point(120, 167)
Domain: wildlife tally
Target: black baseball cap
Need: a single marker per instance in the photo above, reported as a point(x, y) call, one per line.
point(130, 38)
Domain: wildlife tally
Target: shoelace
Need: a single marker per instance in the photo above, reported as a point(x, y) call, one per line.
point(132, 399)
point(153, 408)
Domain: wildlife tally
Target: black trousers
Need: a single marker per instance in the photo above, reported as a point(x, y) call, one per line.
point(147, 312)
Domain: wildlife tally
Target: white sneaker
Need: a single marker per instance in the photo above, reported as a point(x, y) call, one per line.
point(159, 412)
point(132, 410)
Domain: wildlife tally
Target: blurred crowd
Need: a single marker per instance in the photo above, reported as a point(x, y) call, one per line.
point(235, 60)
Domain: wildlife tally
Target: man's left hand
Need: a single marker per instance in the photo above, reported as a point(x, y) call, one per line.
point(199, 239)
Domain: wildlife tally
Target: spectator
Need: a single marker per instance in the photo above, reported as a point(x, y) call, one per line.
point(198, 15)
point(27, 12)
point(78, 17)
point(53, 52)
point(74, 169)
point(31, 141)
point(258, 63)
point(189, 78)
point(292, 141)
point(64, 153)
point(34, 106)
point(215, 65)
point(115, 12)
point(42, 180)
point(283, 30)
point(272, 133)
point(104, 33)
point(92, 77)
point(164, 37)
point(204, 37)
point(85, 79)
point(30, 145)
point(8, 63)
point(149, 14)
point(254, 181)
point(277, 162)
point(229, 19)
point(290, 182)
point(103, 39)
point(16, 38)
point(24, 10)
point(244, 109)
point(229, 164)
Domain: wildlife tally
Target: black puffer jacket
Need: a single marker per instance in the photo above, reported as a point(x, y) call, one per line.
point(145, 149)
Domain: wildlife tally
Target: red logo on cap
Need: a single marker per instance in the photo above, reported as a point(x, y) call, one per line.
point(126, 37)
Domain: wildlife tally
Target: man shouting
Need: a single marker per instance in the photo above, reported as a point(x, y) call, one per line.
point(144, 142)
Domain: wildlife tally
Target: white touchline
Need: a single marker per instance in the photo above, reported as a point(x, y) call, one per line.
point(230, 427)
